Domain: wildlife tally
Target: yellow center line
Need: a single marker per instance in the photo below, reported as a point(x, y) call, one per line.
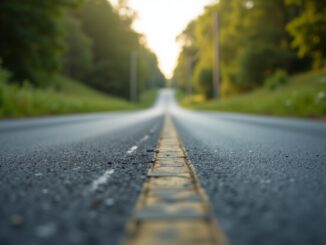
point(172, 208)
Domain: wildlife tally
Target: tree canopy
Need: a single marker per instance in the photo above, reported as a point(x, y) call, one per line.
point(256, 39)
point(31, 37)
point(86, 40)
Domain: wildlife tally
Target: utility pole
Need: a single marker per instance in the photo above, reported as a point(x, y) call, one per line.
point(133, 76)
point(216, 61)
point(189, 77)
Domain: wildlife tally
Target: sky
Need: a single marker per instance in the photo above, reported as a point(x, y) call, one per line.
point(161, 21)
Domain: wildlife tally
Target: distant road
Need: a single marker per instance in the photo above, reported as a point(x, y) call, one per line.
point(75, 179)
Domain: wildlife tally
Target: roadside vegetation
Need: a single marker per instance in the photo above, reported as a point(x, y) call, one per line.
point(264, 46)
point(71, 56)
point(64, 96)
point(302, 95)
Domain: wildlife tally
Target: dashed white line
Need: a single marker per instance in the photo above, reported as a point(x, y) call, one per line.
point(132, 149)
point(104, 177)
point(146, 137)
point(153, 129)
point(101, 180)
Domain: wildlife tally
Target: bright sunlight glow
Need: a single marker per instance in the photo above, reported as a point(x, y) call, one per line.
point(161, 21)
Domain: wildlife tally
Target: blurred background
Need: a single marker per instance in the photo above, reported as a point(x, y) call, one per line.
point(269, 58)
point(65, 56)
point(255, 56)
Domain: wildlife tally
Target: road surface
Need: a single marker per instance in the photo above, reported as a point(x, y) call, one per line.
point(76, 179)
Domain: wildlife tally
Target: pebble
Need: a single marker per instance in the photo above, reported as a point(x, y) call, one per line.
point(46, 230)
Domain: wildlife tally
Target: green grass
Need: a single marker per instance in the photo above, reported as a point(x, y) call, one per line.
point(303, 96)
point(65, 96)
point(148, 98)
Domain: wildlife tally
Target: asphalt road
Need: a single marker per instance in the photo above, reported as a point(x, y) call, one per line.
point(75, 179)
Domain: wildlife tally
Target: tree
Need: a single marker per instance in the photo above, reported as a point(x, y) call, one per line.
point(253, 43)
point(31, 38)
point(309, 30)
point(113, 42)
point(78, 56)
point(93, 43)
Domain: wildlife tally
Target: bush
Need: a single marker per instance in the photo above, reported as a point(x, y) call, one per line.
point(4, 77)
point(279, 78)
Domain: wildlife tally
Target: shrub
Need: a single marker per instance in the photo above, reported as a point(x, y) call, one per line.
point(279, 78)
point(4, 77)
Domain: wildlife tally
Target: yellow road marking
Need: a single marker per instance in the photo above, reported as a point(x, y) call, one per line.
point(173, 208)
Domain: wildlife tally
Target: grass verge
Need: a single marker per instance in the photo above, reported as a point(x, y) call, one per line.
point(67, 96)
point(303, 96)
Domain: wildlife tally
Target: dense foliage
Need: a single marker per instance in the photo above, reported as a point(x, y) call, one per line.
point(309, 30)
point(31, 37)
point(257, 38)
point(86, 40)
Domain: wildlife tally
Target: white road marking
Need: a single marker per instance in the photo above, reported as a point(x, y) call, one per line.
point(101, 180)
point(146, 137)
point(153, 129)
point(132, 149)
point(104, 178)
